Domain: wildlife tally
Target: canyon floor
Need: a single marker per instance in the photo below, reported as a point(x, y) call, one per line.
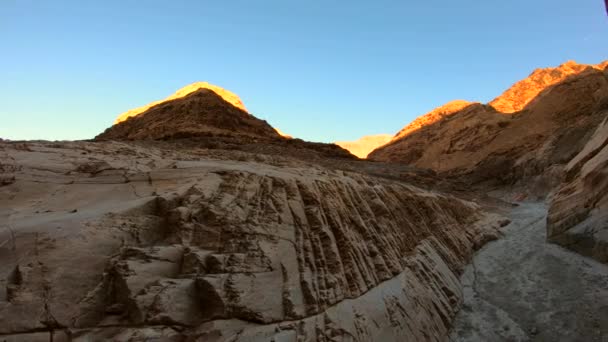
point(522, 288)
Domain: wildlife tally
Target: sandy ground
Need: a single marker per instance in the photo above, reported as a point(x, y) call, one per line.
point(521, 288)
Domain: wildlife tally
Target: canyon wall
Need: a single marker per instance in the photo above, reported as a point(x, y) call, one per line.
point(116, 241)
point(578, 212)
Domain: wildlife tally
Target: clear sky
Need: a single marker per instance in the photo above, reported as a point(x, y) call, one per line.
point(318, 70)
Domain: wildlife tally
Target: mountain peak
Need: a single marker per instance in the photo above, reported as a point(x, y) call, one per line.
point(521, 93)
point(226, 95)
point(197, 110)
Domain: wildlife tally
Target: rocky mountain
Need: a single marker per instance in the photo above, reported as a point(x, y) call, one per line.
point(578, 214)
point(226, 95)
point(193, 111)
point(192, 220)
point(198, 117)
point(130, 241)
point(530, 131)
point(364, 145)
point(523, 92)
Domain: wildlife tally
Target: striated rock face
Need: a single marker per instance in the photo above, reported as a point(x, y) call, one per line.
point(226, 95)
point(483, 144)
point(362, 147)
point(201, 112)
point(116, 241)
point(578, 215)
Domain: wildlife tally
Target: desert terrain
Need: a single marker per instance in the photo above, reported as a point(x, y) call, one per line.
point(190, 219)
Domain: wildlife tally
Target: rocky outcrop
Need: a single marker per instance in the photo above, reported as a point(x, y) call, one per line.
point(198, 117)
point(116, 241)
point(226, 95)
point(200, 112)
point(364, 145)
point(578, 215)
point(482, 144)
point(442, 131)
point(432, 117)
point(523, 92)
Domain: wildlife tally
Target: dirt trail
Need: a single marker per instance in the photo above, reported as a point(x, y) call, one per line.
point(521, 288)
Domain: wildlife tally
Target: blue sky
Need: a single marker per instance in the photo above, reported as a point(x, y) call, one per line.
point(318, 70)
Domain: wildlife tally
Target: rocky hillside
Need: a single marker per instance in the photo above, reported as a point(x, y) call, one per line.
point(198, 117)
point(578, 215)
point(226, 95)
point(201, 112)
point(364, 145)
point(546, 121)
point(132, 241)
point(523, 92)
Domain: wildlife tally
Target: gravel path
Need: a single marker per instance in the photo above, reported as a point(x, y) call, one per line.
point(521, 288)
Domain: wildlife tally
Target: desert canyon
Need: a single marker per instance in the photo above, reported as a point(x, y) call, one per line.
point(190, 219)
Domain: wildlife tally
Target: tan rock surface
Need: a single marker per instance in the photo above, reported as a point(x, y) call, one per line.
point(364, 145)
point(484, 144)
point(117, 241)
point(578, 214)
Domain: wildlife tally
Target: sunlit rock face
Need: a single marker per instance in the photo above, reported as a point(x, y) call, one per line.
point(283, 134)
point(226, 95)
point(521, 93)
point(363, 146)
point(433, 116)
point(560, 109)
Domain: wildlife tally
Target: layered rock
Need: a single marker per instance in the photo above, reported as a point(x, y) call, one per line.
point(115, 241)
point(578, 214)
point(364, 145)
point(485, 144)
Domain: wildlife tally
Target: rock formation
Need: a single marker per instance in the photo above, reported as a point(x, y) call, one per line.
point(578, 215)
point(364, 145)
point(521, 93)
point(226, 95)
point(196, 116)
point(131, 241)
point(195, 112)
point(556, 111)
point(281, 133)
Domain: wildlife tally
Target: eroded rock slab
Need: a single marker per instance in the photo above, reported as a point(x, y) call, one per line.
point(119, 241)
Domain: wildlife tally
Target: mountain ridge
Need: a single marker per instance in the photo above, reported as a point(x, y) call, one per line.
point(561, 107)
